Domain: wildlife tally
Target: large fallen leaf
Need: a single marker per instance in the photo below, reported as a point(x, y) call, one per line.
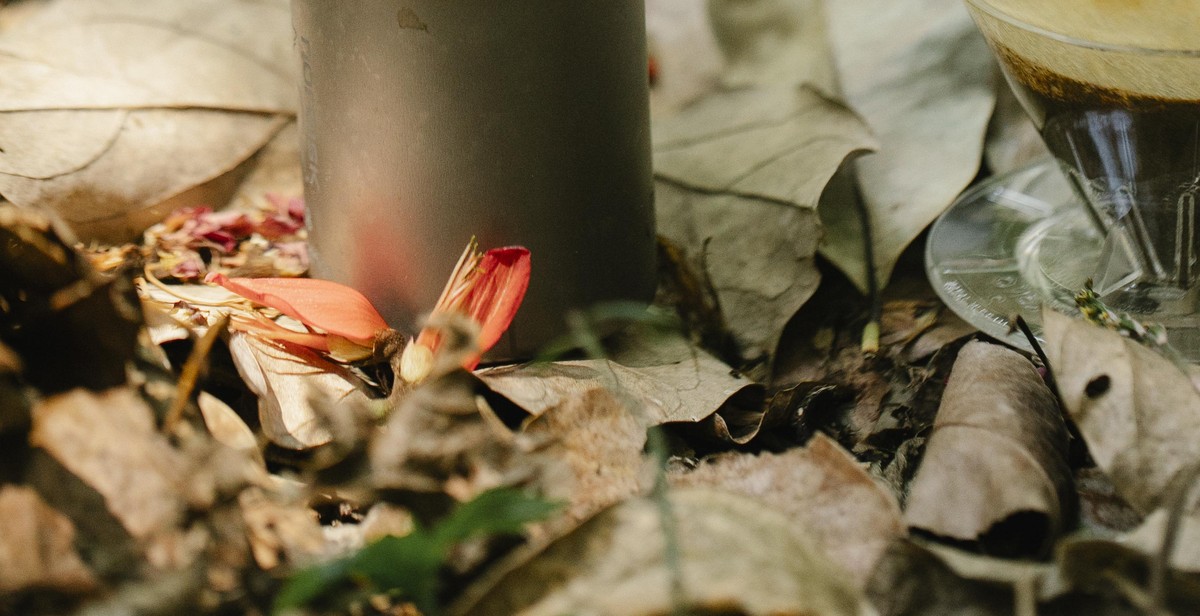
point(684, 53)
point(297, 390)
point(998, 452)
point(664, 381)
point(739, 176)
point(823, 491)
point(101, 461)
point(1138, 412)
point(37, 548)
point(735, 556)
point(112, 114)
point(922, 78)
point(773, 42)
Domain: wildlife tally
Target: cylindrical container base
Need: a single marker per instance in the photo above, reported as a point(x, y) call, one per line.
point(426, 122)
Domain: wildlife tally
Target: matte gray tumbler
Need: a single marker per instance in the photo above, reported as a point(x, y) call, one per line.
point(425, 122)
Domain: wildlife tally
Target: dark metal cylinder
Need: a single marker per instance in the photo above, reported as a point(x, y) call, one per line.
point(425, 122)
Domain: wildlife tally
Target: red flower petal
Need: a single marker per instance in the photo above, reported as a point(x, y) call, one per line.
point(497, 294)
point(328, 306)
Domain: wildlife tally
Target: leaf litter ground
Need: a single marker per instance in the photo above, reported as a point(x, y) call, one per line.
point(732, 451)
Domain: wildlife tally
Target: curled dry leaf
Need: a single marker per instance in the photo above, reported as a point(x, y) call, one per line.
point(922, 78)
point(176, 91)
point(735, 556)
point(1138, 412)
point(998, 454)
point(296, 390)
point(823, 491)
point(739, 176)
point(37, 547)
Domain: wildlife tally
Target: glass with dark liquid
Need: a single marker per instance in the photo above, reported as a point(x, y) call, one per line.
point(1123, 121)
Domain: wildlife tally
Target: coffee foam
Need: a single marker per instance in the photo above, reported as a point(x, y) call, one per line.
point(1164, 25)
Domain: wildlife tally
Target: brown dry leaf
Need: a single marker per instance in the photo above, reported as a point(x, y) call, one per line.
point(437, 440)
point(1138, 412)
point(115, 113)
point(910, 579)
point(666, 379)
point(297, 390)
point(594, 449)
point(823, 490)
point(101, 461)
point(739, 176)
point(37, 547)
point(736, 556)
point(922, 78)
point(995, 468)
point(279, 532)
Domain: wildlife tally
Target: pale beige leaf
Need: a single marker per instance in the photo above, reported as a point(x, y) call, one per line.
point(768, 42)
point(37, 547)
point(921, 77)
point(998, 449)
point(740, 174)
point(213, 54)
point(682, 46)
point(296, 390)
point(667, 381)
point(823, 491)
point(736, 556)
point(226, 427)
point(157, 155)
point(1138, 412)
point(44, 144)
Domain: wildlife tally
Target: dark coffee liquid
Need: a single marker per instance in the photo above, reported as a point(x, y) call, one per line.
point(1135, 158)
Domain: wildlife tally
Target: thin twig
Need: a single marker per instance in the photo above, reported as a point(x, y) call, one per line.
point(1160, 567)
point(190, 374)
point(656, 443)
point(870, 335)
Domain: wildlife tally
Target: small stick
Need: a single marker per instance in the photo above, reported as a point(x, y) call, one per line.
point(190, 374)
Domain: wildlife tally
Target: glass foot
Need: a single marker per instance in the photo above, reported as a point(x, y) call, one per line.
point(1023, 239)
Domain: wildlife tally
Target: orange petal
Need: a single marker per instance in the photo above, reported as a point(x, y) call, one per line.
point(328, 306)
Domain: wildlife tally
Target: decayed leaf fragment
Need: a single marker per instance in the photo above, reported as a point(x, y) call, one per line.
point(823, 490)
point(175, 91)
point(1138, 412)
point(739, 176)
point(922, 78)
point(100, 460)
point(997, 454)
point(736, 556)
point(37, 550)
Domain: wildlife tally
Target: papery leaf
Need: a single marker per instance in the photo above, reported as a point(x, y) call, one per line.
point(329, 306)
